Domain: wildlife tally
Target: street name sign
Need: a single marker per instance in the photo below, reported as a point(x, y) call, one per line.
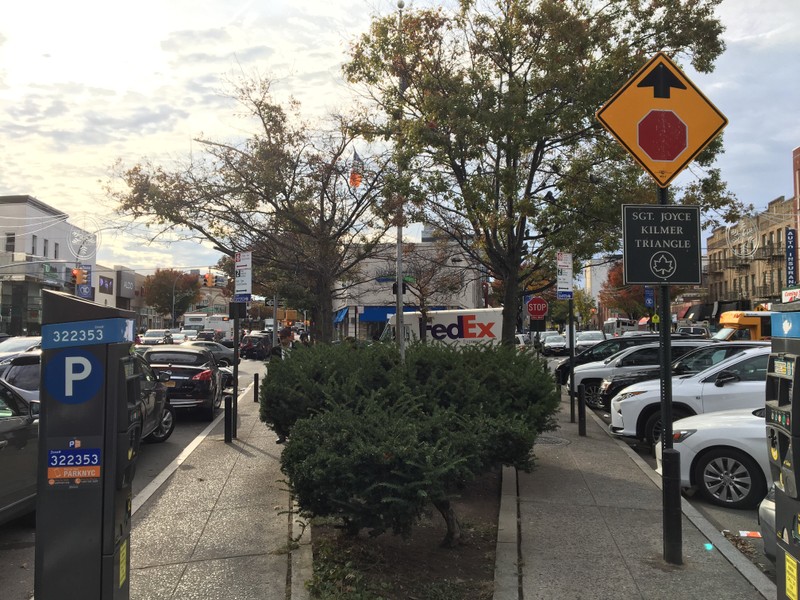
point(661, 244)
point(662, 119)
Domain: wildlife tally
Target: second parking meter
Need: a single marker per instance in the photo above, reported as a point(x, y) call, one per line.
point(782, 416)
point(89, 435)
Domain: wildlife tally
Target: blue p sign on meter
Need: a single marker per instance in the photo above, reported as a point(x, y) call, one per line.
point(73, 376)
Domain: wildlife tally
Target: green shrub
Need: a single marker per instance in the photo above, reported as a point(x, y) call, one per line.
point(374, 440)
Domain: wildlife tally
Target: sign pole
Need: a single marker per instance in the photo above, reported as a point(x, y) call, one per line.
point(670, 458)
point(571, 335)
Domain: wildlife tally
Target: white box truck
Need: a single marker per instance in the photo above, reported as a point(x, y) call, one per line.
point(461, 326)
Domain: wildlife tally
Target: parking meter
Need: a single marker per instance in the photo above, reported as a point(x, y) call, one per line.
point(782, 416)
point(89, 435)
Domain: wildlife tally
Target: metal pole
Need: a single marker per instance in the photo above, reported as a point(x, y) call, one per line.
point(582, 410)
point(670, 458)
point(399, 328)
point(235, 418)
point(255, 387)
point(571, 336)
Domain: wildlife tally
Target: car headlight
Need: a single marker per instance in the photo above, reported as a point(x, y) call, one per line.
point(628, 395)
point(682, 434)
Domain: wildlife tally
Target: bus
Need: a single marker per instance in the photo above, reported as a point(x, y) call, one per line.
point(221, 324)
point(744, 325)
point(195, 321)
point(616, 326)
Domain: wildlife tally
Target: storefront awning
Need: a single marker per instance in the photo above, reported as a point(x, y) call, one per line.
point(684, 308)
point(380, 314)
point(339, 315)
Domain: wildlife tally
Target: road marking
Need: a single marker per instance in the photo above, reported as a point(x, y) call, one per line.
point(162, 477)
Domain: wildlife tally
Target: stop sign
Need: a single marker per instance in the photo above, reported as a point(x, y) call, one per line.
point(537, 307)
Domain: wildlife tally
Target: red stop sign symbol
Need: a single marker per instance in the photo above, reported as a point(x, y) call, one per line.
point(662, 135)
point(537, 307)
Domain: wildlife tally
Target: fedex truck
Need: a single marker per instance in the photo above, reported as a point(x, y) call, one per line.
point(461, 326)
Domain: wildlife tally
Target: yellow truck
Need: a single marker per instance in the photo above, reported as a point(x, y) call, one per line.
point(745, 325)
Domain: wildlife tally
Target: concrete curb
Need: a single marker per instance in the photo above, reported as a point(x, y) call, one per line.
point(747, 569)
point(507, 559)
point(302, 560)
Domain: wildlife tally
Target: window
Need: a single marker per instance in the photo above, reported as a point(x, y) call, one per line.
point(34, 241)
point(11, 242)
point(45, 247)
point(55, 250)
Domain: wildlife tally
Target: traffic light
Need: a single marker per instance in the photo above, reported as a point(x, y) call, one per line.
point(394, 288)
point(80, 276)
point(207, 281)
point(75, 276)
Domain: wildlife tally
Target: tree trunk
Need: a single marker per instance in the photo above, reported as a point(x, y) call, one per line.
point(453, 536)
point(511, 304)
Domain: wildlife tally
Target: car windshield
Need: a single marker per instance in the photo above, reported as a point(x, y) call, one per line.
point(555, 339)
point(177, 358)
point(19, 343)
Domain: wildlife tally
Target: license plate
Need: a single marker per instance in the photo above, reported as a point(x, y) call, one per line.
point(169, 383)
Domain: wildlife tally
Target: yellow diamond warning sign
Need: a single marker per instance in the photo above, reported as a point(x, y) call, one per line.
point(662, 119)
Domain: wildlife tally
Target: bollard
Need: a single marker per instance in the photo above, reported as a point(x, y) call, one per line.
point(255, 387)
point(228, 419)
point(671, 490)
point(582, 410)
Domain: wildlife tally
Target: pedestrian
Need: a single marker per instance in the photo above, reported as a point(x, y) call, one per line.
point(304, 339)
point(282, 351)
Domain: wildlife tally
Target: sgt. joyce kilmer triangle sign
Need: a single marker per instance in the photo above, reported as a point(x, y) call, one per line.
point(661, 244)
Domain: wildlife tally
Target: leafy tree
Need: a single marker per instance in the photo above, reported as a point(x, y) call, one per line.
point(492, 111)
point(283, 194)
point(628, 299)
point(167, 288)
point(583, 305)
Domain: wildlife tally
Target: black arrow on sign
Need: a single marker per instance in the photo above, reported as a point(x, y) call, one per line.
point(661, 79)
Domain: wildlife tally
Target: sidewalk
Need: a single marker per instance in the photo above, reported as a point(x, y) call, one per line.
point(218, 527)
point(587, 523)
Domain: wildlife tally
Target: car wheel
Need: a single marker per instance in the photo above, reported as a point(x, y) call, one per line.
point(654, 426)
point(729, 477)
point(592, 395)
point(165, 426)
point(209, 412)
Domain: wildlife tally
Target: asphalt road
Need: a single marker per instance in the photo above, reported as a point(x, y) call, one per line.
point(732, 521)
point(18, 538)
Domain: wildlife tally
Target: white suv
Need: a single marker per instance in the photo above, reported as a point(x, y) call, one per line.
point(592, 374)
point(738, 382)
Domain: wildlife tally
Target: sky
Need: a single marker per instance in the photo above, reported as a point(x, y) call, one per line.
point(84, 84)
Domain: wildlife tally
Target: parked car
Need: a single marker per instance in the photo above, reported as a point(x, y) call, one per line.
point(586, 339)
point(12, 346)
point(19, 429)
point(19, 449)
point(723, 456)
point(225, 356)
point(195, 379)
point(555, 345)
point(158, 419)
point(521, 341)
point(591, 375)
point(540, 337)
point(695, 331)
point(256, 346)
point(693, 361)
point(737, 382)
point(766, 520)
point(602, 350)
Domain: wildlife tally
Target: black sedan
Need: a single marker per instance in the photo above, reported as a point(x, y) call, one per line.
point(195, 379)
point(224, 355)
point(256, 346)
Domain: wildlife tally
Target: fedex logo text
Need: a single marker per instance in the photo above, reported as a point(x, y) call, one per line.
point(465, 327)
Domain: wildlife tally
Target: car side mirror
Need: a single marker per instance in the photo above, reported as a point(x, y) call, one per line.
point(724, 377)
